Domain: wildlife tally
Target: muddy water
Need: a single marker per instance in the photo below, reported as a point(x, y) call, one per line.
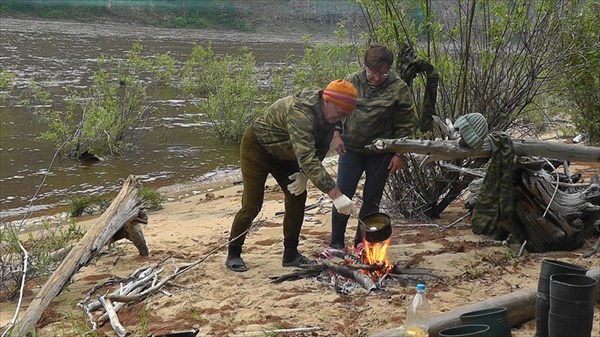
point(176, 150)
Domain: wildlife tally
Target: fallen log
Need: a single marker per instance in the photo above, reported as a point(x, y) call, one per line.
point(124, 208)
point(450, 149)
point(520, 306)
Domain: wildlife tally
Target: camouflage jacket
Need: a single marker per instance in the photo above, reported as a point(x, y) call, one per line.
point(293, 128)
point(385, 111)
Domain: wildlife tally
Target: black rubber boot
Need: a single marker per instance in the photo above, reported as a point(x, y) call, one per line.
point(571, 305)
point(542, 300)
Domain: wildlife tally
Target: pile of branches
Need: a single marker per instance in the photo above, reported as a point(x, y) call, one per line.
point(142, 283)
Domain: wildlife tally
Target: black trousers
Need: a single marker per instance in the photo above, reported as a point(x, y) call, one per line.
point(256, 164)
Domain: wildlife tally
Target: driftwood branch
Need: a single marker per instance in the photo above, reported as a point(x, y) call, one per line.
point(450, 149)
point(124, 208)
point(112, 315)
point(593, 250)
point(142, 283)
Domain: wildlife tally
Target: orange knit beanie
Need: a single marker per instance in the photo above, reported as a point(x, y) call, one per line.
point(341, 93)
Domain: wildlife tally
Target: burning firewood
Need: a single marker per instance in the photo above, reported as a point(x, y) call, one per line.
point(362, 269)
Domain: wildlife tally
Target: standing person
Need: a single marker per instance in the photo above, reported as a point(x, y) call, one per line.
point(290, 142)
point(384, 110)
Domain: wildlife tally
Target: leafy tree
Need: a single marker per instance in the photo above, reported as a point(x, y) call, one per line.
point(582, 76)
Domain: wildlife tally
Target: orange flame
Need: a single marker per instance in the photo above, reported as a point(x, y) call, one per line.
point(375, 254)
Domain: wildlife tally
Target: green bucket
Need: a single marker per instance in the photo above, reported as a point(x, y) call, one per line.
point(495, 318)
point(470, 330)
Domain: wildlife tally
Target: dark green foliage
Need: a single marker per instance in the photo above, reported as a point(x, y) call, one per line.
point(87, 204)
point(582, 79)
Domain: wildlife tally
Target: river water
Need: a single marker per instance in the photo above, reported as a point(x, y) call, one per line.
point(176, 151)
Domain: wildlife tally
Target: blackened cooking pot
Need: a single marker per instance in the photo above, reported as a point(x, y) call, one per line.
point(376, 227)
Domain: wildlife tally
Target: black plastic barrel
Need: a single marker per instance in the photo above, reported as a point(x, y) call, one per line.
point(571, 305)
point(542, 299)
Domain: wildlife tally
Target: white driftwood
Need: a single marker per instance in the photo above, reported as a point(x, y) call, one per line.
point(356, 275)
point(450, 149)
point(112, 315)
point(124, 208)
point(520, 306)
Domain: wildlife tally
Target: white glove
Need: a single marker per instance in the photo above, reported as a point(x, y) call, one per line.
point(344, 205)
point(298, 185)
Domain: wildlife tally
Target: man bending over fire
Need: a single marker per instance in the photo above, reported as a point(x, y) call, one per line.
point(290, 142)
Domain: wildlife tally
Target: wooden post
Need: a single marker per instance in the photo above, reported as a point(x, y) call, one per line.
point(450, 149)
point(124, 208)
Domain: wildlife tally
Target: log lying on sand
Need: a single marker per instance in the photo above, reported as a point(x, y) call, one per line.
point(520, 306)
point(124, 209)
point(450, 149)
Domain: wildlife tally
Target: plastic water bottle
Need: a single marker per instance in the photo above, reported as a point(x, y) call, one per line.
point(417, 316)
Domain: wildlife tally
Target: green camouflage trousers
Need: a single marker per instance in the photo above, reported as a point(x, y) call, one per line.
point(256, 164)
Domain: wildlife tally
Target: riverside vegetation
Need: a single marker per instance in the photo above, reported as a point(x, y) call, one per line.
point(492, 57)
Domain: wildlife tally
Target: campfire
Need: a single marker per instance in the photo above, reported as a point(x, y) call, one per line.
point(367, 266)
point(375, 255)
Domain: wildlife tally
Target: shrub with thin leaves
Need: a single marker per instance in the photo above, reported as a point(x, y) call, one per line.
point(229, 85)
point(104, 119)
point(151, 199)
point(582, 80)
point(43, 247)
point(325, 62)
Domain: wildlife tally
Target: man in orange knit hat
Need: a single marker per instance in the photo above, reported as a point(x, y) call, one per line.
point(290, 142)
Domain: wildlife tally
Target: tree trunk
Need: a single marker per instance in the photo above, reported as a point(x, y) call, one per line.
point(124, 208)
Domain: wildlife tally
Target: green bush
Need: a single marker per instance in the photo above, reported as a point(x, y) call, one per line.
point(582, 79)
point(104, 119)
point(79, 205)
point(323, 63)
point(150, 198)
point(42, 246)
point(229, 85)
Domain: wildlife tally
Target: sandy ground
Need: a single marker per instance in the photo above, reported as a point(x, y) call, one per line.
point(223, 303)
